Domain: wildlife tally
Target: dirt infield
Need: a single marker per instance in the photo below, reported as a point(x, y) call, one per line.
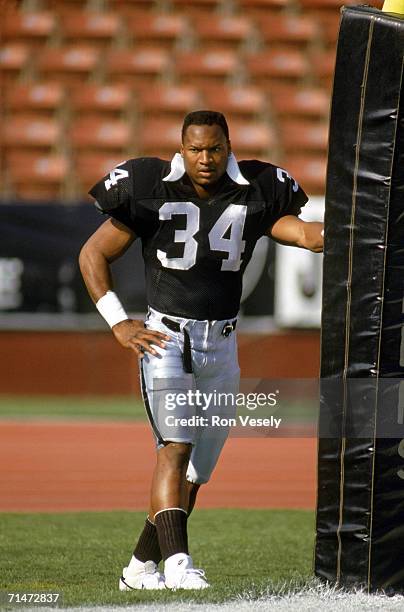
point(65, 466)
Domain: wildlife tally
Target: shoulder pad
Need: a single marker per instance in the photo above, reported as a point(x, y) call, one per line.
point(148, 172)
point(253, 168)
point(257, 171)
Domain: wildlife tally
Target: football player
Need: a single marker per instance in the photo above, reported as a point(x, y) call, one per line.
point(199, 218)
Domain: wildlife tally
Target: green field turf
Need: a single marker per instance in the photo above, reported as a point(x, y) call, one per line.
point(245, 553)
point(116, 408)
point(124, 408)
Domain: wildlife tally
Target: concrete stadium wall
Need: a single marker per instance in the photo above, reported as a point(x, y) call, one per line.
point(75, 363)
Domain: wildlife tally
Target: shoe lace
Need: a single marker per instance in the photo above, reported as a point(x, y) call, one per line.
point(192, 571)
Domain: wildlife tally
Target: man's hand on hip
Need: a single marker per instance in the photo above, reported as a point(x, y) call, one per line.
point(132, 334)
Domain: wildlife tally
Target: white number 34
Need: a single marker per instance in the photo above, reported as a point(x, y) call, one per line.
point(231, 221)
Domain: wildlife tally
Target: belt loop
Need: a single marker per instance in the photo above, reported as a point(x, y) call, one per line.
point(183, 324)
point(154, 313)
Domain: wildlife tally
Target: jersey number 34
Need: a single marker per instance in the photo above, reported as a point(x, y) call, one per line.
point(230, 222)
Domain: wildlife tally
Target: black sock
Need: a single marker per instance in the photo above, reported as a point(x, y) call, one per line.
point(171, 528)
point(148, 548)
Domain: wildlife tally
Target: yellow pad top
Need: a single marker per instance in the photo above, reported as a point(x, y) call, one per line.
point(394, 6)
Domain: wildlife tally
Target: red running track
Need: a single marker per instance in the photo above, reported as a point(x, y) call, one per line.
point(48, 466)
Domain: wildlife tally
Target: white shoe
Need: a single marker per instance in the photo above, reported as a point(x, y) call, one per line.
point(181, 574)
point(147, 577)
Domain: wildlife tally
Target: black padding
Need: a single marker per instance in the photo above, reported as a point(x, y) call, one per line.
point(360, 512)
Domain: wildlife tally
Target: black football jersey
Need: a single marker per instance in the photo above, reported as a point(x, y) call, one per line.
point(196, 250)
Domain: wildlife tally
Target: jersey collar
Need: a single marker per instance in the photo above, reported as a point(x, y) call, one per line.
point(233, 170)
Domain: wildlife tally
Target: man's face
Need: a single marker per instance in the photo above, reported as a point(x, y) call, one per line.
point(205, 151)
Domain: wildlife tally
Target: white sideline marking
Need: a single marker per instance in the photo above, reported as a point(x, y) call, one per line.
point(314, 599)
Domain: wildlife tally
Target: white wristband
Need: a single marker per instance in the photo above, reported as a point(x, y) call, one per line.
point(111, 308)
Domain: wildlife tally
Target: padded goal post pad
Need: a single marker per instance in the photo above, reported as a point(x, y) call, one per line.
point(360, 510)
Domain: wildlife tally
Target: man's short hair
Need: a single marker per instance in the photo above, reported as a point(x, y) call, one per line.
point(205, 117)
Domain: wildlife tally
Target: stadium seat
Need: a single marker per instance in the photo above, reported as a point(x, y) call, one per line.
point(329, 26)
point(251, 139)
point(136, 64)
point(28, 26)
point(46, 97)
point(37, 176)
point(109, 66)
point(288, 30)
point(323, 65)
point(159, 137)
point(63, 6)
point(267, 65)
point(333, 5)
point(92, 133)
point(242, 100)
point(14, 58)
point(23, 132)
point(168, 99)
point(261, 8)
point(299, 102)
point(229, 30)
point(90, 26)
point(200, 7)
point(111, 100)
point(157, 28)
point(71, 64)
point(198, 66)
point(128, 7)
point(304, 135)
point(208, 4)
point(309, 171)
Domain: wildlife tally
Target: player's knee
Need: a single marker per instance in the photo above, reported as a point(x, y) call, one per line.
point(175, 454)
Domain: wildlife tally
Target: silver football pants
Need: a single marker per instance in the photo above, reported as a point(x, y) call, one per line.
point(192, 406)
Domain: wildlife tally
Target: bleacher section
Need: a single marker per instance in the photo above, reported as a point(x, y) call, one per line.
point(86, 84)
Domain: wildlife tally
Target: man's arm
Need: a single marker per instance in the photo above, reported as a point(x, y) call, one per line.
point(292, 231)
point(109, 242)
